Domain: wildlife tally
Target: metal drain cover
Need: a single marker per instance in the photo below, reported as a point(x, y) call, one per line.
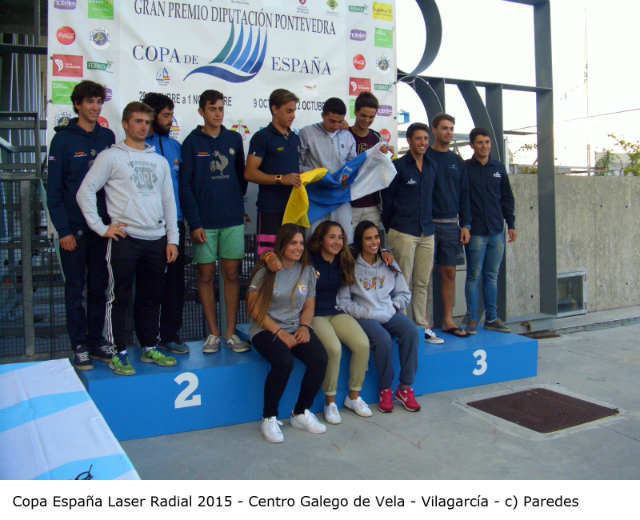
point(543, 410)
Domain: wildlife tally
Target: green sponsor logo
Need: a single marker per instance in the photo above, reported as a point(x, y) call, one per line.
point(332, 4)
point(358, 8)
point(102, 9)
point(352, 108)
point(97, 65)
point(382, 86)
point(61, 91)
point(383, 38)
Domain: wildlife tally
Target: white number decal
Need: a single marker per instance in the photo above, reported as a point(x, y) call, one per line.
point(481, 356)
point(185, 399)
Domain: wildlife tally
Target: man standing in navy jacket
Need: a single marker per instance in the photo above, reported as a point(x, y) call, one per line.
point(451, 214)
point(491, 205)
point(82, 251)
point(173, 297)
point(212, 188)
point(406, 215)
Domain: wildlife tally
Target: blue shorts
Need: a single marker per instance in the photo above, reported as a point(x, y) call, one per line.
point(448, 249)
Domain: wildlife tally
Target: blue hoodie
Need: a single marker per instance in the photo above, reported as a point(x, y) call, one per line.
point(212, 184)
point(71, 154)
point(170, 149)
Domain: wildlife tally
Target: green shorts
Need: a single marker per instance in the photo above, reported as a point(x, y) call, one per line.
point(226, 243)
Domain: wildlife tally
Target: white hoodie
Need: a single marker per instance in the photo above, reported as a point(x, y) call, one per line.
point(138, 189)
point(379, 292)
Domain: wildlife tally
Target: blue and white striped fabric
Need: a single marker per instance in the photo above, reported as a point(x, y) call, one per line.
point(51, 429)
point(366, 173)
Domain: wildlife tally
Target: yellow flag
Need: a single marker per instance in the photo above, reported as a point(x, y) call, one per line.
point(298, 203)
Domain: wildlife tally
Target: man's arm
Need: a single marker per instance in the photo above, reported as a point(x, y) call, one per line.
point(170, 212)
point(55, 190)
point(388, 195)
point(465, 205)
point(508, 205)
point(93, 182)
point(188, 201)
point(240, 167)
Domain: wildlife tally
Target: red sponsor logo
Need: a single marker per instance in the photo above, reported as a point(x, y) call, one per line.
point(66, 35)
point(357, 85)
point(102, 121)
point(359, 62)
point(67, 65)
point(386, 135)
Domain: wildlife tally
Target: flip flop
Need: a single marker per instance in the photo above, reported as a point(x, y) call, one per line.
point(455, 331)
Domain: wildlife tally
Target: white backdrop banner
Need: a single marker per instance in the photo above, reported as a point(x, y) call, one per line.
point(243, 48)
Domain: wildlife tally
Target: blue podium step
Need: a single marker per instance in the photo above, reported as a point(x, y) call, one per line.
point(209, 390)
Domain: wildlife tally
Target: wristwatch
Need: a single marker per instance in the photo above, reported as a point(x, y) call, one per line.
point(278, 179)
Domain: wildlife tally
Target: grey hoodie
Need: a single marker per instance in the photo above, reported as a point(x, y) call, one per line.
point(138, 189)
point(379, 292)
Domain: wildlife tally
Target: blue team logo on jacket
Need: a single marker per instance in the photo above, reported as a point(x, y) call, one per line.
point(237, 62)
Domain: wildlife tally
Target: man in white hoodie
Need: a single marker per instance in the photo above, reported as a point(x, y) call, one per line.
point(143, 234)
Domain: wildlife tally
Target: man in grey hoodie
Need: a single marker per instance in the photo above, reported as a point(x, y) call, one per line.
point(143, 234)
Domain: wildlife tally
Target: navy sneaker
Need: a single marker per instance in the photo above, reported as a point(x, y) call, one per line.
point(81, 359)
point(103, 352)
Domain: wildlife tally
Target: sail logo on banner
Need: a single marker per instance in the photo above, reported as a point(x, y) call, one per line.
point(237, 62)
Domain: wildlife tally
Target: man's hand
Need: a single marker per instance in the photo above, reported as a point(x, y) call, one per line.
point(288, 339)
point(387, 257)
point(172, 253)
point(302, 335)
point(115, 230)
point(465, 236)
point(512, 235)
point(199, 236)
point(291, 179)
point(68, 243)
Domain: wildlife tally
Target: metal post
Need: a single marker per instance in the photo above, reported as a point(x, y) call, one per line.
point(27, 278)
point(546, 170)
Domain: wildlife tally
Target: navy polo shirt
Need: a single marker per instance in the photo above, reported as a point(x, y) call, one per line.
point(327, 285)
point(451, 187)
point(279, 154)
point(407, 202)
point(491, 197)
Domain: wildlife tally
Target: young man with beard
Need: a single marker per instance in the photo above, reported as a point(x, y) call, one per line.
point(212, 188)
point(451, 213)
point(82, 251)
point(143, 234)
point(173, 297)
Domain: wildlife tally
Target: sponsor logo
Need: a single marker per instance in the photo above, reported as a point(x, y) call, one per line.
point(385, 110)
point(102, 9)
point(174, 131)
point(108, 94)
point(383, 63)
point(383, 38)
point(64, 4)
point(385, 134)
point(237, 63)
point(357, 85)
point(412, 181)
point(61, 91)
point(497, 175)
point(79, 154)
point(352, 108)
point(358, 35)
point(66, 35)
point(313, 67)
point(385, 87)
point(359, 62)
point(301, 7)
point(67, 65)
point(241, 128)
point(218, 164)
point(63, 118)
point(382, 11)
point(358, 8)
point(202, 154)
point(100, 38)
point(332, 4)
point(302, 2)
point(162, 76)
point(102, 121)
point(99, 65)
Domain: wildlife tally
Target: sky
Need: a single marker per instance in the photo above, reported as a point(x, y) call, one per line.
point(493, 40)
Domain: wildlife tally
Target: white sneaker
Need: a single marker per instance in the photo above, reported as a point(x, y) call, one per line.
point(307, 421)
point(237, 345)
point(211, 344)
point(358, 406)
point(270, 428)
point(430, 337)
point(331, 414)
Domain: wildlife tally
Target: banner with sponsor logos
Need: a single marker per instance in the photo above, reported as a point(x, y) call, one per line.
point(243, 48)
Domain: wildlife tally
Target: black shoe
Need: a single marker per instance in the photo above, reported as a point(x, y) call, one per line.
point(103, 352)
point(81, 359)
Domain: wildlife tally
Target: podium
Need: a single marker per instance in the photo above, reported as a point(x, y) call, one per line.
point(209, 390)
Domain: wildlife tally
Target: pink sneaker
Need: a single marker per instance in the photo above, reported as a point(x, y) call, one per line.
point(385, 404)
point(405, 396)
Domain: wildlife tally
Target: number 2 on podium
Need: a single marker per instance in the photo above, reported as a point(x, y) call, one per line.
point(186, 397)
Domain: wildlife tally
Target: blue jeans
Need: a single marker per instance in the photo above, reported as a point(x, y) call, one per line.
point(484, 255)
point(381, 340)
